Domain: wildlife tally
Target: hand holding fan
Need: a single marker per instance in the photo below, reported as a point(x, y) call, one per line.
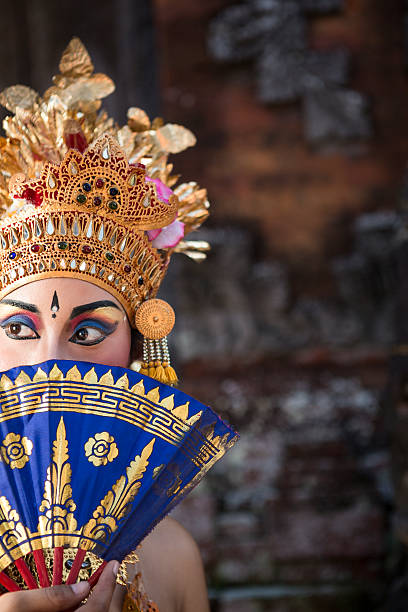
point(92, 458)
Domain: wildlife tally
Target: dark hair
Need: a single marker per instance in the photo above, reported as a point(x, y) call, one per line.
point(136, 345)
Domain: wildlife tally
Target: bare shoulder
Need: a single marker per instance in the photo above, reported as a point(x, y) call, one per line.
point(172, 568)
point(171, 538)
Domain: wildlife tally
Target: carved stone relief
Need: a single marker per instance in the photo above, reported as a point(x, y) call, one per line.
point(272, 34)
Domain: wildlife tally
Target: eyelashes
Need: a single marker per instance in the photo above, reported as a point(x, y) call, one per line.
point(87, 332)
point(20, 327)
point(90, 332)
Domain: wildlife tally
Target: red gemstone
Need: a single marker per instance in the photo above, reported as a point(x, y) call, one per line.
point(32, 196)
point(97, 201)
point(127, 268)
point(99, 183)
point(76, 140)
point(35, 248)
point(86, 249)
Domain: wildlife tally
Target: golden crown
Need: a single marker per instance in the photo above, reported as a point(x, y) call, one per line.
point(87, 197)
point(95, 201)
point(87, 217)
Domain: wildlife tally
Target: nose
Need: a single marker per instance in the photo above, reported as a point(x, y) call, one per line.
point(50, 346)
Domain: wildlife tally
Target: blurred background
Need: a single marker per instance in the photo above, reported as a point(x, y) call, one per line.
point(296, 327)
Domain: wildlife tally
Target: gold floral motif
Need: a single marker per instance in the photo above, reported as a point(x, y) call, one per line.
point(112, 396)
point(116, 503)
point(101, 448)
point(12, 530)
point(58, 506)
point(57, 525)
point(16, 450)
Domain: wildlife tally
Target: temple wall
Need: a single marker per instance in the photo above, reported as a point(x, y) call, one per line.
point(288, 328)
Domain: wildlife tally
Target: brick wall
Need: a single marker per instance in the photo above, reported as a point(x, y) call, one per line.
point(287, 328)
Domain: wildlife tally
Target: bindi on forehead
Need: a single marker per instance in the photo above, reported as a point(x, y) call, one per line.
point(54, 305)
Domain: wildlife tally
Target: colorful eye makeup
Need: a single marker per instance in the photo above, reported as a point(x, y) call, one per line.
point(89, 324)
point(19, 327)
point(91, 331)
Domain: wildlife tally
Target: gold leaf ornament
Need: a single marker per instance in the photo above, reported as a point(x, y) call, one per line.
point(16, 182)
point(76, 61)
point(18, 96)
point(87, 89)
point(57, 506)
point(173, 138)
point(116, 503)
point(138, 121)
point(11, 528)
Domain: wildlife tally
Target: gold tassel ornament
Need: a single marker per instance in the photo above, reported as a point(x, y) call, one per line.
point(155, 319)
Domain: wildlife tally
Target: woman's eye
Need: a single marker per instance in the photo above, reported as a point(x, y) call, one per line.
point(88, 336)
point(19, 331)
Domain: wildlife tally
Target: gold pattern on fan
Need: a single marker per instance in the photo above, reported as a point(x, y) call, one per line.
point(155, 319)
point(90, 563)
point(101, 448)
point(122, 401)
point(16, 450)
point(57, 525)
point(57, 497)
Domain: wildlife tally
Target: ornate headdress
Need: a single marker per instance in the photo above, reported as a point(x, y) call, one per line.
point(82, 197)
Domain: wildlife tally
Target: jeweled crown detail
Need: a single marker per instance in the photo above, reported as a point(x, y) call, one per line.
point(87, 217)
point(100, 181)
point(110, 214)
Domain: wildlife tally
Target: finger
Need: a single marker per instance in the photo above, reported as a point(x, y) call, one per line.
point(52, 599)
point(118, 598)
point(101, 596)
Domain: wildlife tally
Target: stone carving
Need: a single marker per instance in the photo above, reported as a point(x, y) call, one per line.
point(248, 307)
point(273, 35)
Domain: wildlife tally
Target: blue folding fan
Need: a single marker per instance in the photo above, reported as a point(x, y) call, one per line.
point(92, 458)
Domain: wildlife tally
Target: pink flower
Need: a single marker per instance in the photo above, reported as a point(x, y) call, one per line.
point(168, 236)
point(162, 190)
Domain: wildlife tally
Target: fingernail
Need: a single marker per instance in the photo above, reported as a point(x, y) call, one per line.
point(80, 588)
point(115, 568)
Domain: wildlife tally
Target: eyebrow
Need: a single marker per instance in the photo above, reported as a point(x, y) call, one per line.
point(92, 306)
point(22, 305)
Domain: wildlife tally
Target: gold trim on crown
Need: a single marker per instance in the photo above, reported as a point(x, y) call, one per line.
point(87, 218)
point(59, 235)
point(121, 190)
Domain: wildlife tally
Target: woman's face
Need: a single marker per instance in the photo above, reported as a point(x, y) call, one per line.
point(62, 318)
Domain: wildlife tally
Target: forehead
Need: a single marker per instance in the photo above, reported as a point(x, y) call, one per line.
point(71, 292)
